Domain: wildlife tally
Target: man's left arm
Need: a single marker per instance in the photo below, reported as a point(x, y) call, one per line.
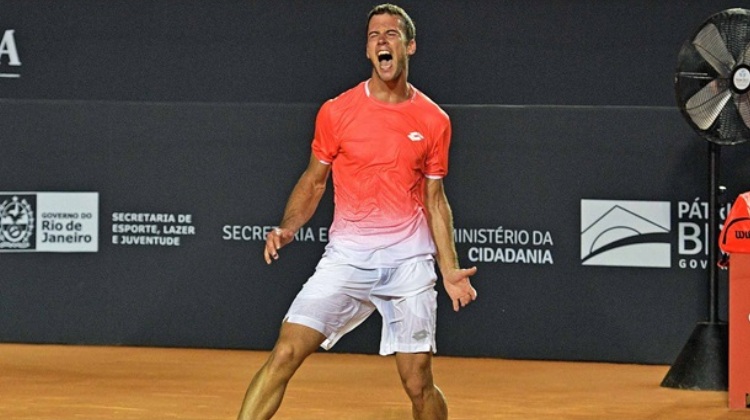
point(440, 217)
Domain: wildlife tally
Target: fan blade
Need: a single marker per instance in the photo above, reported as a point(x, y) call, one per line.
point(743, 105)
point(706, 105)
point(746, 56)
point(710, 45)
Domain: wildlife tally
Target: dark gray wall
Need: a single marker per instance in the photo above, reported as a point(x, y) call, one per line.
point(566, 52)
point(206, 109)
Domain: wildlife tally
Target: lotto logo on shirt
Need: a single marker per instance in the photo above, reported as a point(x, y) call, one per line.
point(415, 136)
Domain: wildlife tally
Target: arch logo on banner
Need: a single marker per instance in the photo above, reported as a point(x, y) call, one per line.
point(626, 233)
point(49, 222)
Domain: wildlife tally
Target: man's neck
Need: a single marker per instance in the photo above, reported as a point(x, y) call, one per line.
point(393, 92)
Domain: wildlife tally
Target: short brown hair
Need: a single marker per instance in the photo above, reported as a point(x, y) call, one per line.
point(408, 25)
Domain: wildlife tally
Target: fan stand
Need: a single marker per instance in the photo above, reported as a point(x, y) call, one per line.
point(702, 364)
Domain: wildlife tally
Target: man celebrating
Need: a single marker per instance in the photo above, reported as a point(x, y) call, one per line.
point(386, 144)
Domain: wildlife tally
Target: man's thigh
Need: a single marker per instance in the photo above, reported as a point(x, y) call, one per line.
point(333, 301)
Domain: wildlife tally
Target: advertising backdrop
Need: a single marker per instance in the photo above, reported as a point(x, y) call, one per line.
point(543, 199)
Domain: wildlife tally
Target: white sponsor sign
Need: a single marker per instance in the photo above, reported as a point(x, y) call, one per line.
point(626, 233)
point(49, 221)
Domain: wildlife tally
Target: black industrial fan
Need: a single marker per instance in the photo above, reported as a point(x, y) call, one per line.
point(712, 85)
point(713, 78)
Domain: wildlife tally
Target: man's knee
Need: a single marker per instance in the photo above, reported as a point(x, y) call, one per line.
point(283, 354)
point(295, 343)
point(417, 386)
point(417, 380)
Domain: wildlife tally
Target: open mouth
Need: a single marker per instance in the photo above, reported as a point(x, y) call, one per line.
point(385, 58)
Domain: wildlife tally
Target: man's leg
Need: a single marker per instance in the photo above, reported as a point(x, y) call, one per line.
point(427, 401)
point(266, 390)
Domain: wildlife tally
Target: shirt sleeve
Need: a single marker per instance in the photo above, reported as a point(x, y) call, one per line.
point(437, 161)
point(325, 144)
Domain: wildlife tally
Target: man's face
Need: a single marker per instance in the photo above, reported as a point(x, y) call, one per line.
point(387, 48)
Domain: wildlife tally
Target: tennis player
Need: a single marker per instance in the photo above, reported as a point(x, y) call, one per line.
point(386, 144)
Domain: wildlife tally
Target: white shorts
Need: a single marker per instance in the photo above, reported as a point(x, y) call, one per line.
point(338, 297)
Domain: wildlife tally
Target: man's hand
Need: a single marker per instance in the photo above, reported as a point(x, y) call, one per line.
point(276, 239)
point(458, 286)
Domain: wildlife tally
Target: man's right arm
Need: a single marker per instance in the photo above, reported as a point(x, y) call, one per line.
point(300, 207)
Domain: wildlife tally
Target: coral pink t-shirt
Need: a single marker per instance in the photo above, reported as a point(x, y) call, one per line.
point(380, 155)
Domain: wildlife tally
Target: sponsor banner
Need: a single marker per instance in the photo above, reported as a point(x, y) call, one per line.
point(626, 233)
point(258, 233)
point(489, 245)
point(622, 233)
point(151, 229)
point(49, 222)
point(10, 63)
point(507, 245)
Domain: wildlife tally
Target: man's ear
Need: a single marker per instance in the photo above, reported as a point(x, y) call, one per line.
point(411, 47)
